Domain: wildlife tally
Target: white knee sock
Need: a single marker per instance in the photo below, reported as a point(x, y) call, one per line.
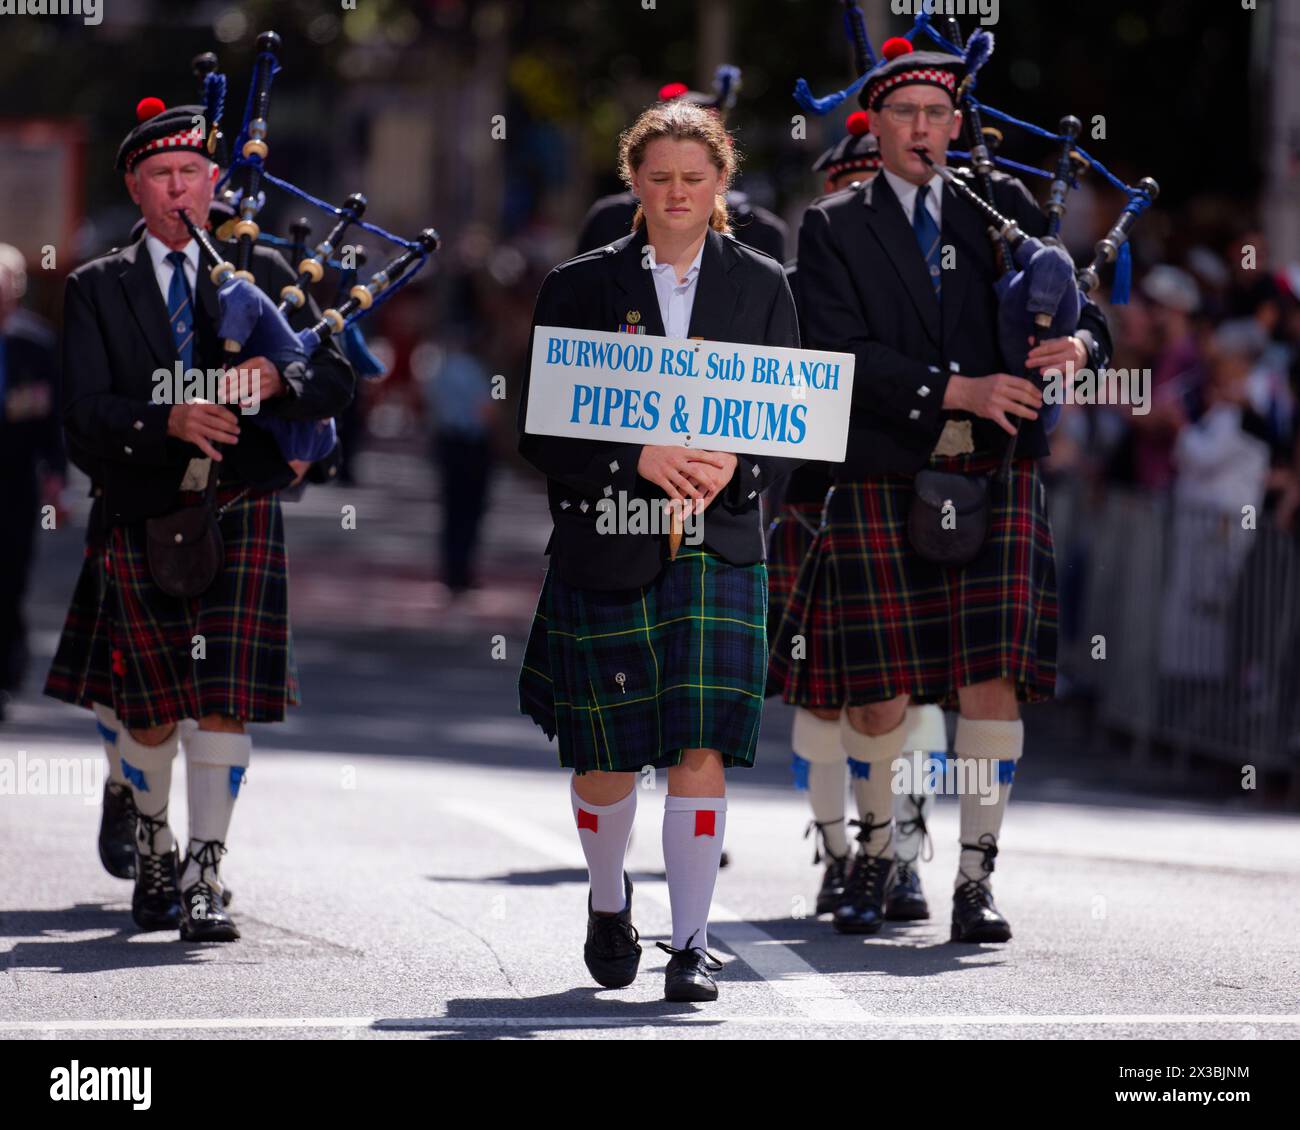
point(826, 795)
point(911, 813)
point(605, 830)
point(927, 735)
point(817, 741)
point(148, 770)
point(109, 727)
point(694, 827)
point(215, 762)
point(870, 758)
point(999, 746)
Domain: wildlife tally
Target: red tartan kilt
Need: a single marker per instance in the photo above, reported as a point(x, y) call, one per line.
point(880, 621)
point(128, 644)
point(80, 671)
point(790, 541)
point(789, 538)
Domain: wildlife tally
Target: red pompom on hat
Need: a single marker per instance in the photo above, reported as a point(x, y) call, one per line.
point(148, 108)
point(857, 123)
point(672, 90)
point(895, 46)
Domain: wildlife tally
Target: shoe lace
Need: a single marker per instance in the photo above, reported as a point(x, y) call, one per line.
point(208, 857)
point(865, 827)
point(976, 892)
point(819, 844)
point(155, 874)
point(146, 829)
point(711, 963)
point(612, 930)
point(913, 824)
point(867, 870)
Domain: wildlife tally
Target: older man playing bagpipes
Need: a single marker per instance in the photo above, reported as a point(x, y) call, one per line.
point(178, 630)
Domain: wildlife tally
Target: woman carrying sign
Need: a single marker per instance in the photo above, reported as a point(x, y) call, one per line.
point(637, 657)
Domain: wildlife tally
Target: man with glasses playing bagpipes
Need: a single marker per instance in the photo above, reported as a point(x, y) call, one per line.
point(820, 759)
point(943, 567)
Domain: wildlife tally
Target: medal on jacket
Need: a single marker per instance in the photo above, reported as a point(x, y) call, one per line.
point(632, 325)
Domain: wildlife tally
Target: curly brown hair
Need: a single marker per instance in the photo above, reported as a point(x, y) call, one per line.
point(681, 121)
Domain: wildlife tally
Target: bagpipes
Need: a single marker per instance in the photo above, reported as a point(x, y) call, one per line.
point(1072, 161)
point(251, 323)
point(1040, 292)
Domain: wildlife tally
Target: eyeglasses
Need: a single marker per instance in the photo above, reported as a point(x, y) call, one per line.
point(904, 113)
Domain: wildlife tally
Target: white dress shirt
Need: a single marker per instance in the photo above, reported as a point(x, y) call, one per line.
point(162, 270)
point(677, 299)
point(905, 190)
point(196, 471)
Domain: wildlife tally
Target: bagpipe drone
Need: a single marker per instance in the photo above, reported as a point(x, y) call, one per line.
point(1040, 292)
point(251, 323)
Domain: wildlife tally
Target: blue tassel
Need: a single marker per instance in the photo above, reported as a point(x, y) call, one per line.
point(236, 779)
point(134, 775)
point(214, 97)
point(820, 106)
point(978, 49)
point(1006, 772)
point(1119, 290)
point(859, 770)
point(105, 733)
point(726, 85)
point(799, 767)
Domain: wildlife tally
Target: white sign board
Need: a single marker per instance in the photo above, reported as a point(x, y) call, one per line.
point(714, 395)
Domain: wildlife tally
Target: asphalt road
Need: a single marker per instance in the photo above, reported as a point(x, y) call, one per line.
point(392, 897)
point(404, 862)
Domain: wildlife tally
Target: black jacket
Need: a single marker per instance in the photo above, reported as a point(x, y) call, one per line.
point(810, 482)
point(610, 219)
point(866, 291)
point(741, 295)
point(116, 335)
point(29, 419)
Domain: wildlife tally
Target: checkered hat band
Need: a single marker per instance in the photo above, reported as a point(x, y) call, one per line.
point(946, 79)
point(865, 163)
point(189, 139)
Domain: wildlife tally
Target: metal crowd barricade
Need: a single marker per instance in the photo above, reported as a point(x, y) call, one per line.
point(1199, 619)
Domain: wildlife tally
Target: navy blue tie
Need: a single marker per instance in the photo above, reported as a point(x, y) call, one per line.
point(180, 311)
point(927, 236)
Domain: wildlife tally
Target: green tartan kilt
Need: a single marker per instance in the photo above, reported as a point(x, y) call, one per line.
point(635, 677)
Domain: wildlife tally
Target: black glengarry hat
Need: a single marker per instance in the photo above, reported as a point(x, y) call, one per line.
point(163, 130)
point(906, 67)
